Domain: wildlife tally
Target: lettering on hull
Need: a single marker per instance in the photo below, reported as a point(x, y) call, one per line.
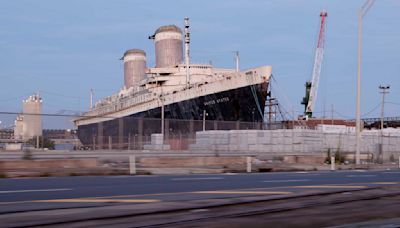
point(217, 101)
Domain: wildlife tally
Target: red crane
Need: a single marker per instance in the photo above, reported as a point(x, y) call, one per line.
point(312, 86)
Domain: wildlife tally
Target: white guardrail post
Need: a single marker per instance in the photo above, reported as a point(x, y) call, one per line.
point(248, 167)
point(332, 163)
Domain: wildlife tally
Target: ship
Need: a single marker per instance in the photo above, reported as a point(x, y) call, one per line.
point(174, 89)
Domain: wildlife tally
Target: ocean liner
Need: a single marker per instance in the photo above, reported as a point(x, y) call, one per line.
point(175, 89)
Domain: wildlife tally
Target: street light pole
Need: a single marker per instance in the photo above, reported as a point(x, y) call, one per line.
point(361, 13)
point(384, 90)
point(358, 115)
point(204, 119)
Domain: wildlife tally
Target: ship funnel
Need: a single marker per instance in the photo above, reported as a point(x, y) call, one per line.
point(134, 67)
point(168, 45)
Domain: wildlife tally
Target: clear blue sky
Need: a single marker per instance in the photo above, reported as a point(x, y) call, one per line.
point(64, 48)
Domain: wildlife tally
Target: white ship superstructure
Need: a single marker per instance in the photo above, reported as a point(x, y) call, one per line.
point(164, 86)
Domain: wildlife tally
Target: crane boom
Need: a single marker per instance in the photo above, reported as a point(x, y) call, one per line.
point(312, 86)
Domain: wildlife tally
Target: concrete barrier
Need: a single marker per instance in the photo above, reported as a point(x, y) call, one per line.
point(174, 162)
point(38, 164)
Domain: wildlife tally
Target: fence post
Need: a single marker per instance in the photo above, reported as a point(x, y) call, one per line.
point(139, 140)
point(129, 141)
point(132, 164)
point(248, 166)
point(180, 142)
point(100, 135)
point(121, 134)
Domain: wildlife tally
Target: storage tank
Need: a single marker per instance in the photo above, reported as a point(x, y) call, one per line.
point(168, 42)
point(134, 67)
point(32, 120)
point(18, 127)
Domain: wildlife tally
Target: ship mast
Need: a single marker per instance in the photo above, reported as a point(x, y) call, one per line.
point(187, 57)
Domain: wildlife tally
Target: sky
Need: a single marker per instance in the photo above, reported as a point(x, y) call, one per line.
point(64, 48)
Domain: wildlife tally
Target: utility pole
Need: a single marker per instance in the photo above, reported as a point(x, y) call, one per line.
point(332, 114)
point(361, 13)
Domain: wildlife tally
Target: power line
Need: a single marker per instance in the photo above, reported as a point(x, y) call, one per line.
point(393, 103)
point(341, 115)
point(60, 95)
point(369, 112)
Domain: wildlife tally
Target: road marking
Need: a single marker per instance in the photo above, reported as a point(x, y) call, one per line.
point(112, 177)
point(361, 176)
point(197, 178)
point(95, 200)
point(244, 192)
point(328, 186)
point(130, 176)
point(385, 182)
point(284, 181)
point(15, 202)
point(301, 172)
point(36, 190)
point(199, 210)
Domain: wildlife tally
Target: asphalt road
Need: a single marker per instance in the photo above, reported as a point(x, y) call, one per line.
point(27, 194)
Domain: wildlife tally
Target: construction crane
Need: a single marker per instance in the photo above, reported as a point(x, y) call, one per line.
point(312, 86)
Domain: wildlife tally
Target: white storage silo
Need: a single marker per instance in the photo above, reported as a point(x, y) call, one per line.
point(32, 120)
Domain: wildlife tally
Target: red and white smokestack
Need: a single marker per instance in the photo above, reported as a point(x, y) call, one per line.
point(134, 67)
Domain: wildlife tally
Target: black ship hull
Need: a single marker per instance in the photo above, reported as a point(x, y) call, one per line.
point(245, 104)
